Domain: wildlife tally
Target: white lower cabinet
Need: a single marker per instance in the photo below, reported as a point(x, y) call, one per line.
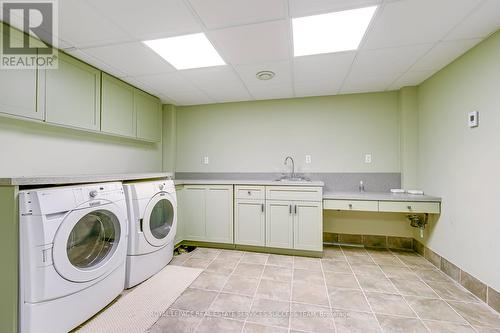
point(308, 226)
point(271, 221)
point(192, 206)
point(249, 222)
point(279, 224)
point(219, 214)
point(207, 213)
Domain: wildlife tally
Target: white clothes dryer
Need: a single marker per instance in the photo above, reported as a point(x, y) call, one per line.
point(152, 213)
point(73, 245)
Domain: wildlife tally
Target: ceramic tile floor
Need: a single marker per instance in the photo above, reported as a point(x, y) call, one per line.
point(348, 290)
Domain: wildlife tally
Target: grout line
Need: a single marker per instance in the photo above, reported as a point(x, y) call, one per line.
point(362, 290)
point(404, 299)
point(439, 297)
point(254, 294)
point(291, 297)
point(328, 294)
point(225, 283)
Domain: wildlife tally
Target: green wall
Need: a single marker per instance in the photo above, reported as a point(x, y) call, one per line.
point(29, 148)
point(461, 164)
point(256, 136)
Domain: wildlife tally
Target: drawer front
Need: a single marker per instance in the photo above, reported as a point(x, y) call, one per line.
point(249, 192)
point(294, 193)
point(354, 205)
point(410, 207)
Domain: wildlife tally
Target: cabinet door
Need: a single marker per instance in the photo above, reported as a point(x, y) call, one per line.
point(117, 108)
point(308, 226)
point(249, 222)
point(193, 212)
point(18, 88)
point(179, 235)
point(279, 224)
point(147, 109)
point(219, 214)
point(72, 94)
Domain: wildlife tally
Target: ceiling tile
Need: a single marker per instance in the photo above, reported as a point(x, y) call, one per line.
point(256, 43)
point(79, 54)
point(392, 60)
point(193, 97)
point(166, 99)
point(141, 85)
point(281, 69)
point(217, 14)
point(411, 78)
point(131, 58)
point(220, 83)
point(416, 21)
point(300, 8)
point(167, 82)
point(271, 91)
point(482, 22)
point(443, 53)
point(316, 88)
point(150, 20)
point(80, 25)
point(323, 67)
point(363, 83)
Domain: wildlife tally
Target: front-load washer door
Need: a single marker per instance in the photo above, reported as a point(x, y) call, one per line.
point(160, 220)
point(89, 243)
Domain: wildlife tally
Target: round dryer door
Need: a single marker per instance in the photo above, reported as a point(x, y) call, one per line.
point(159, 221)
point(86, 243)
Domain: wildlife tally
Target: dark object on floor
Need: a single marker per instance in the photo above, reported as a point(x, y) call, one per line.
point(184, 249)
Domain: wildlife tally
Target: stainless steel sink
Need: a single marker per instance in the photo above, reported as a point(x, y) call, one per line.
point(293, 179)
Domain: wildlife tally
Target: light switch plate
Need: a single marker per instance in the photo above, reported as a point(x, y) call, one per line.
point(368, 158)
point(473, 119)
point(308, 159)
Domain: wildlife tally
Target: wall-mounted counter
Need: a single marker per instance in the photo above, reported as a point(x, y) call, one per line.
point(381, 202)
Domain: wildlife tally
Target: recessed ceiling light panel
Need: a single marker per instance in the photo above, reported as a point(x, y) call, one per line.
point(188, 51)
point(332, 32)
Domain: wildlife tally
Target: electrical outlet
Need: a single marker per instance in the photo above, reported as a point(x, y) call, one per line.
point(308, 159)
point(368, 158)
point(205, 160)
point(473, 119)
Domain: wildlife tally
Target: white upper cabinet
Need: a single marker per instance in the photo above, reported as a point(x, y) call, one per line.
point(18, 89)
point(72, 94)
point(147, 109)
point(117, 109)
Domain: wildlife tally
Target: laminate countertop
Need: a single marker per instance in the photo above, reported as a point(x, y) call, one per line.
point(80, 179)
point(246, 182)
point(379, 196)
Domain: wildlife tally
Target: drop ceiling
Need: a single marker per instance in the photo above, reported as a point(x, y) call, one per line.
point(406, 42)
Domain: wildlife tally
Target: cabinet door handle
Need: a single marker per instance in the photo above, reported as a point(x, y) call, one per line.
point(295, 209)
point(262, 207)
point(290, 209)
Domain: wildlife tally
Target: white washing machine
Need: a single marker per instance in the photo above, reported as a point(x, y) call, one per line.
point(73, 245)
point(152, 213)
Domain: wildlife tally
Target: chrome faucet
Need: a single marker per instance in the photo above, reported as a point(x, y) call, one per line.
point(292, 175)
